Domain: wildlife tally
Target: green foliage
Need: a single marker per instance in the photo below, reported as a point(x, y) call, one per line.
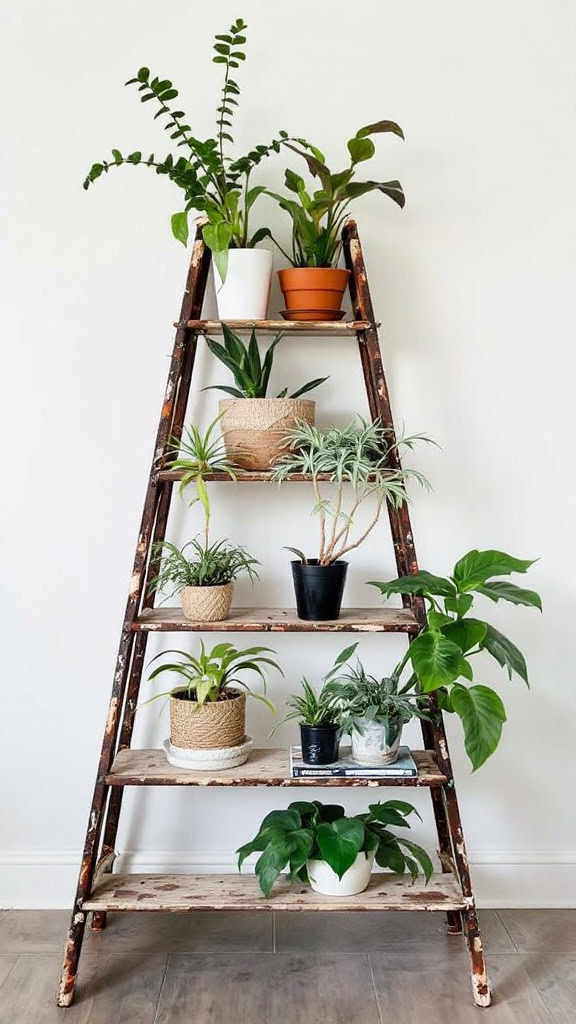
point(211, 181)
point(209, 675)
point(317, 218)
point(198, 454)
point(359, 454)
point(440, 655)
point(213, 566)
point(361, 698)
point(250, 372)
point(311, 708)
point(316, 831)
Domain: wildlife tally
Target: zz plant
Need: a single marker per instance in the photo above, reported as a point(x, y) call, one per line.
point(442, 656)
point(251, 373)
point(288, 839)
point(211, 181)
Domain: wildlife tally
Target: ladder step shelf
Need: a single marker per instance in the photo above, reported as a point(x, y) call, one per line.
point(279, 620)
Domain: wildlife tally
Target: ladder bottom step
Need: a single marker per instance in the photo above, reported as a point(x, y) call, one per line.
point(232, 892)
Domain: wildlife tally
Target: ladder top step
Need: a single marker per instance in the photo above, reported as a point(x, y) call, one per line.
point(133, 767)
point(386, 891)
point(327, 327)
point(257, 476)
point(281, 620)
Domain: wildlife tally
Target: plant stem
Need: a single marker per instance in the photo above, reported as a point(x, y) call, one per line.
point(357, 543)
point(322, 515)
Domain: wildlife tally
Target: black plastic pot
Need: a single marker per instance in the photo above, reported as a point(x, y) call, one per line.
point(319, 743)
point(319, 589)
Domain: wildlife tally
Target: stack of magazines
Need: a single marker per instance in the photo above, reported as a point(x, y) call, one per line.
point(345, 767)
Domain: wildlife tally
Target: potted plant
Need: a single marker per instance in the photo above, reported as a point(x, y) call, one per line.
point(254, 426)
point(313, 288)
point(357, 455)
point(440, 657)
point(319, 844)
point(208, 712)
point(373, 713)
point(318, 716)
point(204, 581)
point(212, 182)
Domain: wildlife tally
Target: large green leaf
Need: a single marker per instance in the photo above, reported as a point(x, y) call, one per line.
point(503, 590)
point(392, 189)
point(389, 855)
point(340, 842)
point(285, 820)
point(420, 856)
point(436, 660)
point(361, 149)
point(273, 860)
point(478, 566)
point(506, 653)
point(482, 713)
point(420, 583)
point(179, 222)
point(466, 633)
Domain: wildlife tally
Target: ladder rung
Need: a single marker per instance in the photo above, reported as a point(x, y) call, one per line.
point(281, 620)
point(134, 767)
point(327, 327)
point(386, 891)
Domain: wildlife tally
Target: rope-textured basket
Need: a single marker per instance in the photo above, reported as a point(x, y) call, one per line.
point(220, 723)
point(254, 428)
point(207, 604)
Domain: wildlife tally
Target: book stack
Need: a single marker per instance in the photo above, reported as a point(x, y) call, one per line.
point(345, 767)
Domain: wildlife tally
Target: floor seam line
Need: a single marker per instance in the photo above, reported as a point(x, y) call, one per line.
point(508, 933)
point(371, 969)
point(157, 1008)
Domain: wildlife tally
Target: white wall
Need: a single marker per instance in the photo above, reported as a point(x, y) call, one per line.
point(474, 284)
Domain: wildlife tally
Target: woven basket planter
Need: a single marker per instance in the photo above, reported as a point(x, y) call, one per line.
point(207, 604)
point(218, 724)
point(254, 428)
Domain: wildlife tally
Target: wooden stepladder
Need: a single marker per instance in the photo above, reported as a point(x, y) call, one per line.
point(99, 888)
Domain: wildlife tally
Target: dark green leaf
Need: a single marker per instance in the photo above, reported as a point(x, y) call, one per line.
point(466, 633)
point(478, 566)
point(506, 653)
point(482, 713)
point(460, 605)
point(340, 842)
point(436, 660)
point(309, 386)
point(503, 590)
point(274, 859)
point(380, 126)
point(421, 583)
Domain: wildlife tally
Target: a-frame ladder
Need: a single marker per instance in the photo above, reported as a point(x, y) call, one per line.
point(120, 765)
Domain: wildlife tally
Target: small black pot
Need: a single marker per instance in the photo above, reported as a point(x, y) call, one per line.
point(319, 743)
point(319, 589)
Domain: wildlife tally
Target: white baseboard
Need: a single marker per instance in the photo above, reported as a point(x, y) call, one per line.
point(46, 879)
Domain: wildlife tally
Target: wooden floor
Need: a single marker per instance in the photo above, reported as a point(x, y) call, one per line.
point(251, 968)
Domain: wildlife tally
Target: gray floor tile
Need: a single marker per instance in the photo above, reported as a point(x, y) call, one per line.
point(541, 931)
point(554, 975)
point(210, 932)
point(285, 987)
point(7, 961)
point(110, 990)
point(33, 931)
point(360, 933)
point(437, 989)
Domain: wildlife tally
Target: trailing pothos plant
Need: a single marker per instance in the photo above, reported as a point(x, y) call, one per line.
point(212, 182)
point(317, 218)
point(441, 656)
point(315, 831)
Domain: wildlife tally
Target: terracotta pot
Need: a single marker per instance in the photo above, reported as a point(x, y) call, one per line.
point(215, 724)
point(254, 428)
point(313, 288)
point(207, 604)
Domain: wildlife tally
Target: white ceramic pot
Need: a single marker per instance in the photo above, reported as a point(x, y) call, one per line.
point(370, 746)
point(245, 292)
point(323, 879)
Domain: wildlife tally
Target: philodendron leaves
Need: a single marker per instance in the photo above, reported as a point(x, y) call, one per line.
point(441, 654)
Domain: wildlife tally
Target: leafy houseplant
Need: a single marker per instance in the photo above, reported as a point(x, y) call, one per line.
point(441, 656)
point(373, 712)
point(196, 456)
point(335, 853)
point(358, 455)
point(211, 182)
point(318, 716)
point(208, 711)
point(313, 289)
point(205, 581)
point(255, 427)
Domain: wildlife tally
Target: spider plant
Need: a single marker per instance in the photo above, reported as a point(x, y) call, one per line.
point(358, 454)
point(250, 373)
point(212, 566)
point(208, 676)
point(210, 180)
point(311, 708)
point(197, 454)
